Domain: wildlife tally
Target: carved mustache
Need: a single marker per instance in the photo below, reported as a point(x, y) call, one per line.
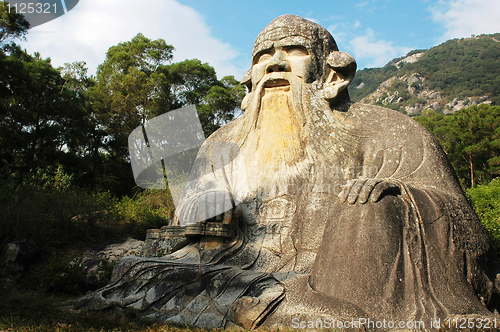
point(274, 82)
point(275, 79)
point(270, 80)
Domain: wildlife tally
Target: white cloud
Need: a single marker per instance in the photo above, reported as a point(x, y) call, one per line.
point(463, 18)
point(340, 31)
point(376, 53)
point(368, 51)
point(361, 5)
point(86, 32)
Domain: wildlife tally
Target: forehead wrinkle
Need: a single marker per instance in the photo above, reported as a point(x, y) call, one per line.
point(284, 41)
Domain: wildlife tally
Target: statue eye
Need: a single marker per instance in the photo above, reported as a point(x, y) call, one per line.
point(264, 56)
point(296, 51)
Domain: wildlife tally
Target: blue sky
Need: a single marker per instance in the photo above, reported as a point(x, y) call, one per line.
point(222, 32)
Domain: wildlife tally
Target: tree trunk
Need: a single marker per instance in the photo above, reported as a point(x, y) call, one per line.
point(471, 170)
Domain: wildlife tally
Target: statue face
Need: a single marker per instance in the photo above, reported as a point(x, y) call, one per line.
point(284, 58)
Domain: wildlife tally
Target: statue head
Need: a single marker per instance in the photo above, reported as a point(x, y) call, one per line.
point(297, 70)
point(293, 50)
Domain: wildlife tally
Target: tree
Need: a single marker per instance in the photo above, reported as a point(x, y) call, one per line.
point(470, 138)
point(136, 84)
point(75, 77)
point(40, 121)
point(12, 26)
point(126, 89)
point(193, 82)
point(221, 104)
point(46, 119)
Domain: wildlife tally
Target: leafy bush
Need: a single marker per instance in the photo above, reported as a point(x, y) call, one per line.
point(106, 266)
point(45, 206)
point(40, 206)
point(147, 209)
point(486, 201)
point(59, 275)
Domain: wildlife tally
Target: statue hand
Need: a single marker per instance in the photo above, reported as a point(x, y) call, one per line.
point(362, 190)
point(211, 205)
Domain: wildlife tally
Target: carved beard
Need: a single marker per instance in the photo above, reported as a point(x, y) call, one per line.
point(276, 135)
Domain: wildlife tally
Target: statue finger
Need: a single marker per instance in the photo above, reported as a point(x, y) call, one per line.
point(379, 189)
point(366, 190)
point(346, 190)
point(355, 189)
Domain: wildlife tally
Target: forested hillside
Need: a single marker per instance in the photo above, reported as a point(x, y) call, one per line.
point(454, 75)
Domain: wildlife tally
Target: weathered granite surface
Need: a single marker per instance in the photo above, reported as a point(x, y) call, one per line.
point(108, 252)
point(16, 257)
point(341, 210)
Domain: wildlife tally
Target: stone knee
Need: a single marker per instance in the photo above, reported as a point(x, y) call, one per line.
point(360, 250)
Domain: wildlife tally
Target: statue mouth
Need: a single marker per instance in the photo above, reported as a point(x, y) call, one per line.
point(274, 83)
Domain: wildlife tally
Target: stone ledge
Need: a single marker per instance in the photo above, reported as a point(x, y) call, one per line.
point(163, 241)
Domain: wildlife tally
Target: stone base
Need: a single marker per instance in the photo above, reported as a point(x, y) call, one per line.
point(164, 241)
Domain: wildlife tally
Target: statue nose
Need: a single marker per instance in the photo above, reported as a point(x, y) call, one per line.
point(277, 65)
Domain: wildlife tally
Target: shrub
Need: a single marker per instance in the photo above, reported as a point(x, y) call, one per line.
point(147, 209)
point(486, 201)
point(57, 274)
point(46, 208)
point(106, 266)
point(41, 208)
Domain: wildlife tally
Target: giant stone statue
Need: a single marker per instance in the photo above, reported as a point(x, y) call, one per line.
point(337, 210)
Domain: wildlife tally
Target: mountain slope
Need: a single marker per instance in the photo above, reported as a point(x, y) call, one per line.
point(454, 75)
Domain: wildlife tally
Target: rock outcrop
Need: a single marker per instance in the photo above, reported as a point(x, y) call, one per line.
point(409, 95)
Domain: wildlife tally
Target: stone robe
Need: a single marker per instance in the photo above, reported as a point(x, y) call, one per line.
point(418, 253)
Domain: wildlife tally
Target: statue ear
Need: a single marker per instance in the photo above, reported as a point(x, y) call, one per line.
point(247, 81)
point(341, 68)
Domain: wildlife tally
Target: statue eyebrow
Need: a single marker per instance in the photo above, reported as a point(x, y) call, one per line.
point(267, 50)
point(270, 50)
point(291, 46)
